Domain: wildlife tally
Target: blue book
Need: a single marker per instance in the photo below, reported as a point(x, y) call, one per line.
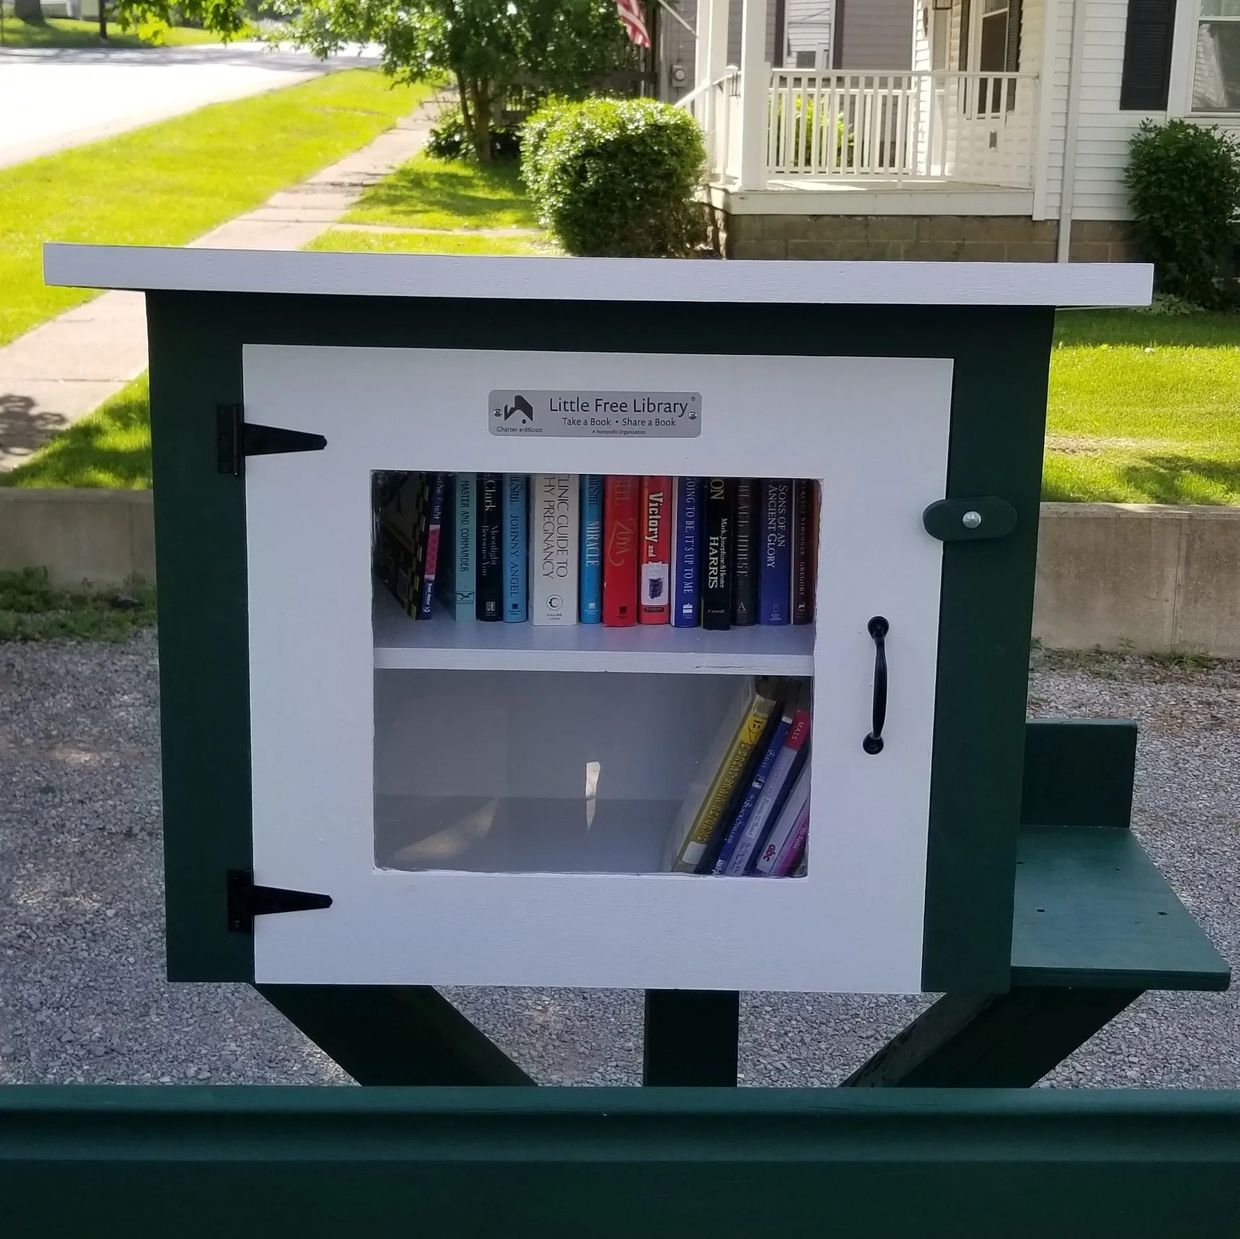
point(458, 552)
point(775, 552)
point(737, 828)
point(591, 559)
point(515, 542)
point(687, 554)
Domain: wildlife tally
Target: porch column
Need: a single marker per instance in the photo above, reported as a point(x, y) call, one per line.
point(712, 41)
point(755, 94)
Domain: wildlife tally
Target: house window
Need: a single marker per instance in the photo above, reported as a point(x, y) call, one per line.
point(806, 60)
point(992, 38)
point(1216, 71)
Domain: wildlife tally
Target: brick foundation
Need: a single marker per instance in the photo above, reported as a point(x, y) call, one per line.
point(937, 238)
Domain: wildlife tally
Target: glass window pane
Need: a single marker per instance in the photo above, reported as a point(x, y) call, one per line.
point(1000, 6)
point(1216, 76)
point(992, 54)
point(1220, 8)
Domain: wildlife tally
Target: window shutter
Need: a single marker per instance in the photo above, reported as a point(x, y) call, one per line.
point(963, 63)
point(1147, 55)
point(1012, 61)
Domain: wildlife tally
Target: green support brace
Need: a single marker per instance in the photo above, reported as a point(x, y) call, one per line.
point(691, 1037)
point(991, 1040)
point(389, 1034)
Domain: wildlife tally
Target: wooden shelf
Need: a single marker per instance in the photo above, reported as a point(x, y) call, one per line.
point(443, 643)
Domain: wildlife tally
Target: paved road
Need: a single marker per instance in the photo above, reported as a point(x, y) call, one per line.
point(58, 97)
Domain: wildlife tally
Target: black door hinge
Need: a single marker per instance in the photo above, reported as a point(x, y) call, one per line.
point(235, 439)
point(246, 901)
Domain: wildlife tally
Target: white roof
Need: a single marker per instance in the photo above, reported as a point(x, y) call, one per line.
point(598, 279)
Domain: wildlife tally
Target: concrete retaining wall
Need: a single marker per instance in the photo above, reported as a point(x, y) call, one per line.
point(1119, 576)
point(104, 536)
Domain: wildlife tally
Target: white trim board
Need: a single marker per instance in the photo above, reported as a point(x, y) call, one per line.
point(597, 279)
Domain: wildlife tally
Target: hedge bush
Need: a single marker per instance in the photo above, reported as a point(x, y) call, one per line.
point(1184, 188)
point(616, 177)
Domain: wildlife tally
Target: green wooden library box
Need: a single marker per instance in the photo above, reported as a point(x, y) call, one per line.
point(353, 796)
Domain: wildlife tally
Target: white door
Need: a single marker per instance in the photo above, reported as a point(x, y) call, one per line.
point(376, 741)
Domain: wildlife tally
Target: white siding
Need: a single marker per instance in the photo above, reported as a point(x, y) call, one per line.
point(876, 34)
point(1103, 131)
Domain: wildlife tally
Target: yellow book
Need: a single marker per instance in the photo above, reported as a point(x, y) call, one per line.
point(721, 771)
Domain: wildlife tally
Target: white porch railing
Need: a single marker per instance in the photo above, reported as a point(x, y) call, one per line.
point(976, 128)
point(717, 106)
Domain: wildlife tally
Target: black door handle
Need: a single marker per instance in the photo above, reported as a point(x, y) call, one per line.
point(873, 743)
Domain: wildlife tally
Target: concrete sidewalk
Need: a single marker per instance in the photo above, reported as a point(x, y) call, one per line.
point(57, 373)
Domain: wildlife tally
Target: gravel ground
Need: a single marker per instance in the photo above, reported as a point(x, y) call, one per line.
point(82, 994)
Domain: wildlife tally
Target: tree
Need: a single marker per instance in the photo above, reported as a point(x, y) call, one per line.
point(30, 12)
point(486, 47)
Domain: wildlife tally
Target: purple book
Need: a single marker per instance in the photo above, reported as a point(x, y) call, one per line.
point(775, 552)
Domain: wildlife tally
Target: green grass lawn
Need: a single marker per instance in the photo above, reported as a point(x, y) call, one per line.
point(171, 182)
point(109, 448)
point(65, 32)
point(431, 193)
point(1144, 408)
point(428, 243)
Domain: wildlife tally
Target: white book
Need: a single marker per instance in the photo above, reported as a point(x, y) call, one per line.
point(554, 537)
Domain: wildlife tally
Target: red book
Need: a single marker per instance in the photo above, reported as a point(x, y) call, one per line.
point(620, 503)
point(654, 578)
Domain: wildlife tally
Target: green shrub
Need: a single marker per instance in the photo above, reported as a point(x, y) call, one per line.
point(450, 140)
point(616, 177)
point(1184, 188)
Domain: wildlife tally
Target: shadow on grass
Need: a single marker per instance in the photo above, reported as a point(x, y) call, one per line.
point(1164, 478)
point(465, 191)
point(1139, 330)
point(110, 448)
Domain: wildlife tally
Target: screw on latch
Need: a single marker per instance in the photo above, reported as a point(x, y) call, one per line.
point(971, 520)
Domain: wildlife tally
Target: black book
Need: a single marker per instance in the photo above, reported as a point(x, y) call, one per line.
point(745, 554)
point(490, 580)
point(720, 513)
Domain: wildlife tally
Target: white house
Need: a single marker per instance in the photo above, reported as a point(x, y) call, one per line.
point(1003, 134)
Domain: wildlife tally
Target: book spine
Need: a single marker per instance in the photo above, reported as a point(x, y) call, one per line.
point(775, 565)
point(778, 784)
point(716, 566)
point(745, 554)
point(756, 784)
point(706, 822)
point(434, 527)
point(777, 841)
point(516, 548)
point(419, 544)
point(464, 545)
point(620, 505)
point(794, 849)
point(654, 603)
point(553, 542)
point(687, 554)
point(591, 555)
point(802, 562)
point(490, 558)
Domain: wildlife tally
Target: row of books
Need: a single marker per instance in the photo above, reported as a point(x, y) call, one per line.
point(747, 812)
point(619, 550)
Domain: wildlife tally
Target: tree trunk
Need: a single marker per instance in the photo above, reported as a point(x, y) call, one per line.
point(103, 20)
point(29, 11)
point(480, 108)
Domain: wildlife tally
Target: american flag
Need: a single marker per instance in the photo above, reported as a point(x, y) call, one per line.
point(634, 22)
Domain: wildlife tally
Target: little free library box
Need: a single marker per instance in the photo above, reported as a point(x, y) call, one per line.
point(595, 622)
